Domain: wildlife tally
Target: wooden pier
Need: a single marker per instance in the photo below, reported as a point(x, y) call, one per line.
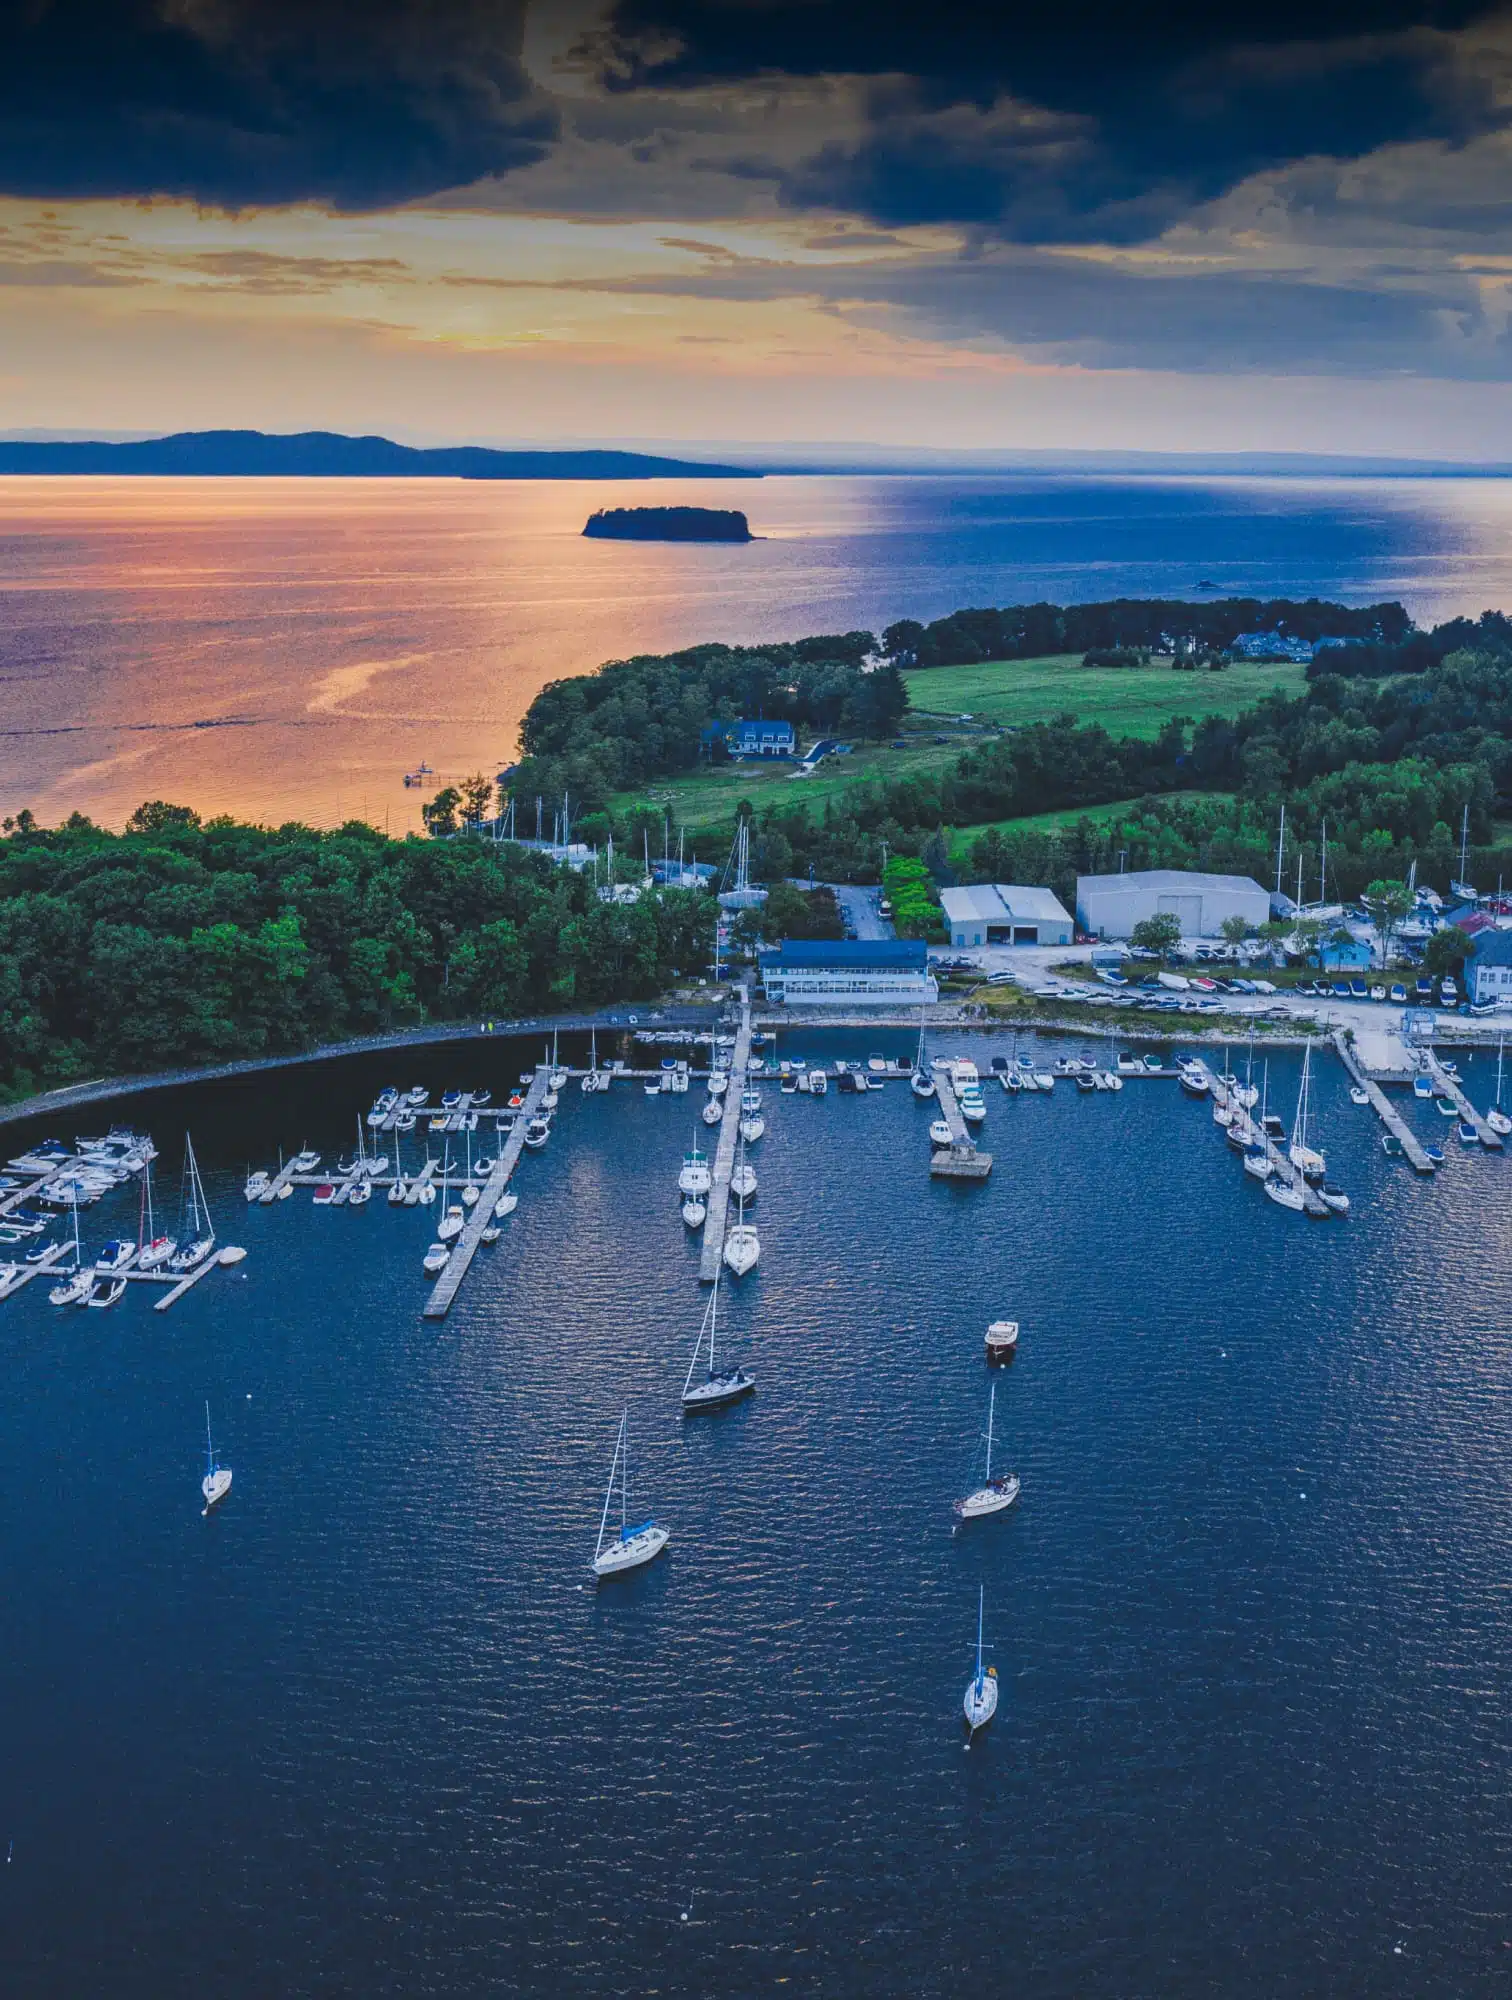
point(960, 1160)
point(717, 1208)
point(1281, 1165)
point(1392, 1119)
point(1446, 1086)
point(465, 1248)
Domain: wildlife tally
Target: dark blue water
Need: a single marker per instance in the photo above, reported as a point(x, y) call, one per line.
point(367, 1732)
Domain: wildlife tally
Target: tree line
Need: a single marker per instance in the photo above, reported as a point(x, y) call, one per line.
point(179, 941)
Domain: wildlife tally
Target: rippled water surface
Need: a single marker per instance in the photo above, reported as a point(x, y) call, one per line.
point(367, 1731)
point(290, 648)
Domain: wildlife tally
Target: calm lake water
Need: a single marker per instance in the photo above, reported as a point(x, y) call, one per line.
point(291, 648)
point(367, 1732)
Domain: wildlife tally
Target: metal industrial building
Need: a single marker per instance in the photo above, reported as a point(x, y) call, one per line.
point(1005, 913)
point(1111, 905)
point(891, 973)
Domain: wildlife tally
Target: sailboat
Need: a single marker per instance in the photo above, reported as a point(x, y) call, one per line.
point(993, 1495)
point(590, 1082)
point(216, 1483)
point(155, 1249)
point(1307, 1160)
point(980, 1704)
point(76, 1288)
point(1496, 1118)
point(558, 1077)
point(469, 1186)
point(632, 1546)
point(202, 1240)
point(921, 1083)
point(742, 1247)
point(398, 1194)
point(695, 1178)
point(715, 1389)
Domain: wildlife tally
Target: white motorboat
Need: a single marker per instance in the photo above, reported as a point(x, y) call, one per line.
point(537, 1132)
point(435, 1259)
point(451, 1224)
point(1333, 1198)
point(631, 1547)
point(695, 1178)
point(653, 1087)
point(491, 1233)
point(993, 1495)
point(680, 1078)
point(716, 1389)
point(751, 1129)
point(1286, 1194)
point(693, 1212)
point(939, 1133)
point(1359, 1095)
point(1002, 1339)
point(973, 1106)
point(750, 1102)
point(216, 1483)
point(818, 1083)
point(417, 1096)
point(506, 1205)
point(981, 1700)
point(116, 1255)
point(257, 1186)
point(231, 1253)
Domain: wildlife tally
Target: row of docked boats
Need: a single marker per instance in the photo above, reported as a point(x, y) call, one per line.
point(1289, 1171)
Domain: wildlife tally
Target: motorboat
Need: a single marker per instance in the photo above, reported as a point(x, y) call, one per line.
point(537, 1132)
point(717, 1388)
point(973, 1105)
point(417, 1095)
point(1359, 1096)
point(116, 1255)
point(1002, 1340)
point(693, 1212)
point(1422, 1085)
point(981, 1698)
point(106, 1292)
point(743, 1183)
point(257, 1186)
point(1333, 1198)
point(305, 1163)
point(1194, 1080)
point(1468, 1136)
point(993, 1495)
point(491, 1233)
point(695, 1177)
point(939, 1133)
point(435, 1259)
point(631, 1547)
point(789, 1084)
point(324, 1195)
point(216, 1483)
point(818, 1083)
point(653, 1087)
point(1012, 1081)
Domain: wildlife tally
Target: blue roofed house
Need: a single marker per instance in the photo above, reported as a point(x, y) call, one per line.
point(891, 972)
point(1488, 974)
point(1342, 953)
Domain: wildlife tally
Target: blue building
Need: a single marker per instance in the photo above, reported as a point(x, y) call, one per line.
point(1488, 975)
point(889, 973)
point(1338, 954)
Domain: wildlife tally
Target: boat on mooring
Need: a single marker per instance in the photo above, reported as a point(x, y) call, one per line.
point(716, 1389)
point(216, 1483)
point(981, 1699)
point(631, 1547)
point(993, 1495)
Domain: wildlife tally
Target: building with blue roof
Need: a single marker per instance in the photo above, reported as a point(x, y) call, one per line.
point(890, 972)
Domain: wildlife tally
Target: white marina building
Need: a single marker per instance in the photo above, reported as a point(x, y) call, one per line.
point(1109, 906)
point(1005, 913)
point(889, 973)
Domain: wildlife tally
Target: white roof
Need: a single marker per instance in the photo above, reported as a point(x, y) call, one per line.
point(1146, 879)
point(1002, 903)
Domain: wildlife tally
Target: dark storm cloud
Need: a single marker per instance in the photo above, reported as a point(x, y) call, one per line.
point(1083, 120)
point(360, 103)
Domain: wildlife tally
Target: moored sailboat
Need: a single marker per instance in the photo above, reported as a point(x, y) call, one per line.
point(981, 1698)
point(993, 1495)
point(216, 1483)
point(632, 1546)
point(716, 1389)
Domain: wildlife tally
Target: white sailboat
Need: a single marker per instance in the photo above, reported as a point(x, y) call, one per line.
point(216, 1483)
point(202, 1230)
point(631, 1546)
point(715, 1389)
point(981, 1700)
point(713, 1112)
point(77, 1287)
point(751, 1128)
point(1307, 1160)
point(993, 1495)
point(506, 1205)
point(1286, 1194)
point(695, 1178)
point(921, 1083)
point(398, 1194)
point(557, 1080)
point(742, 1246)
point(694, 1212)
point(156, 1249)
point(451, 1223)
point(1496, 1118)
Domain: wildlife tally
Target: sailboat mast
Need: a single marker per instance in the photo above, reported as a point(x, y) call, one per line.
point(981, 1596)
point(991, 1405)
point(608, 1490)
point(624, 1459)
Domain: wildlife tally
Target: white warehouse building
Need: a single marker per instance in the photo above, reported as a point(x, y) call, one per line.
point(1004, 913)
point(1111, 905)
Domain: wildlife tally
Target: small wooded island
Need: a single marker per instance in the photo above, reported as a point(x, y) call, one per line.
point(669, 524)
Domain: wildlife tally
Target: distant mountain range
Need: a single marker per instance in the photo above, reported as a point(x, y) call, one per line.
point(327, 455)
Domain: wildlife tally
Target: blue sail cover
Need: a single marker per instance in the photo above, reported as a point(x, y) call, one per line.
point(629, 1534)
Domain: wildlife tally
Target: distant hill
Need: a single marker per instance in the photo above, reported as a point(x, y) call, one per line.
point(328, 455)
point(668, 524)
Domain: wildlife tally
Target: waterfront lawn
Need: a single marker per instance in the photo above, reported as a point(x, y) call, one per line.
point(1127, 701)
point(709, 797)
point(1064, 816)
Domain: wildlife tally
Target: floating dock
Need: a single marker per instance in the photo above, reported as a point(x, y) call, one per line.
point(1392, 1119)
point(1281, 1165)
point(717, 1208)
point(1447, 1087)
point(960, 1160)
point(465, 1248)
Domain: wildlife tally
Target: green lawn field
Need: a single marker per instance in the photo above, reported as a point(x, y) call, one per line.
point(1127, 701)
point(709, 797)
point(1046, 822)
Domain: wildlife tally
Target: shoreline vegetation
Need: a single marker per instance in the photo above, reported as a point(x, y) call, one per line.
point(222, 941)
